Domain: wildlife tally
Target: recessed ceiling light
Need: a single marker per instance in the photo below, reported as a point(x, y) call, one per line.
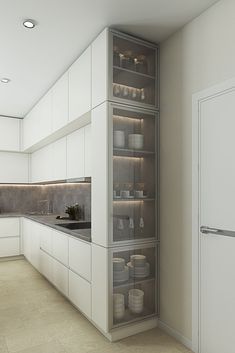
point(29, 24)
point(5, 80)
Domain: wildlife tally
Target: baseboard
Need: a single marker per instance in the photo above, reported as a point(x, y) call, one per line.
point(178, 336)
point(12, 258)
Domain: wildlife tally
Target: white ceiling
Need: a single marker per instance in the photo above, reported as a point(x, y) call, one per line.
point(34, 59)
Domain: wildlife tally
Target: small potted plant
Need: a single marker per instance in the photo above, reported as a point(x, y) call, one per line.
point(74, 212)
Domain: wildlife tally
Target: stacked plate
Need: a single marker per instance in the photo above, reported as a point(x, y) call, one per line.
point(136, 301)
point(120, 271)
point(138, 266)
point(118, 306)
point(136, 141)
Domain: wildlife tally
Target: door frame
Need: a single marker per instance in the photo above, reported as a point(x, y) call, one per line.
point(197, 100)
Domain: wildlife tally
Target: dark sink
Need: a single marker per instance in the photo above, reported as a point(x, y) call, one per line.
point(74, 226)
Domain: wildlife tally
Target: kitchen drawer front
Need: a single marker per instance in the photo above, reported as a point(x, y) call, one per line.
point(60, 247)
point(9, 246)
point(9, 227)
point(45, 238)
point(60, 277)
point(80, 258)
point(46, 265)
point(80, 293)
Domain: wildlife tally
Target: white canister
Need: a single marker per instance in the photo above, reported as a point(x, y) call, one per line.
point(119, 139)
point(136, 141)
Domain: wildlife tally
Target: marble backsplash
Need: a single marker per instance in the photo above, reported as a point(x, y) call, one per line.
point(42, 198)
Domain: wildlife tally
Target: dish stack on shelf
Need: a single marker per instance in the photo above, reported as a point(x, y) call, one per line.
point(138, 266)
point(118, 306)
point(120, 271)
point(136, 301)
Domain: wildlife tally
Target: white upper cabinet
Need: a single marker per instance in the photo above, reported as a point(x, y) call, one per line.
point(60, 102)
point(75, 154)
point(88, 167)
point(59, 149)
point(41, 165)
point(44, 123)
point(9, 134)
point(100, 68)
point(80, 86)
point(38, 122)
point(15, 167)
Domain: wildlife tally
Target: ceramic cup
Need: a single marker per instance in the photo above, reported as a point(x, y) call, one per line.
point(136, 141)
point(125, 194)
point(139, 193)
point(119, 139)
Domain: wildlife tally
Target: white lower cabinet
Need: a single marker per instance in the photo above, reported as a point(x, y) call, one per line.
point(46, 239)
point(80, 293)
point(60, 277)
point(10, 237)
point(60, 247)
point(9, 227)
point(46, 262)
point(80, 258)
point(9, 246)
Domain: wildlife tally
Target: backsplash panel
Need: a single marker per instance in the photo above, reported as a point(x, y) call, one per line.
point(31, 198)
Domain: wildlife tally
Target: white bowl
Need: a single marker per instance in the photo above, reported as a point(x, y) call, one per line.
point(136, 311)
point(118, 298)
point(139, 272)
point(136, 141)
point(136, 293)
point(138, 260)
point(118, 264)
point(121, 276)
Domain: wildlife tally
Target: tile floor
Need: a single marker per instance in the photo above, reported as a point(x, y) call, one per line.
point(35, 318)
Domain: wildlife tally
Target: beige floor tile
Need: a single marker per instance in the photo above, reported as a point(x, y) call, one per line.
point(51, 347)
point(3, 345)
point(36, 318)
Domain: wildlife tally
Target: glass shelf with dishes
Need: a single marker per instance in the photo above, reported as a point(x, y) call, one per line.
point(134, 174)
point(134, 291)
point(134, 66)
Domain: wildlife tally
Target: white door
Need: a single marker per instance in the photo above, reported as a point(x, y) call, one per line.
point(217, 223)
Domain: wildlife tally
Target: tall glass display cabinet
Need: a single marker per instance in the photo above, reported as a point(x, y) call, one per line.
point(125, 188)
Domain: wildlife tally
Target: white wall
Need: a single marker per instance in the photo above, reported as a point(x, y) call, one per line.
point(198, 56)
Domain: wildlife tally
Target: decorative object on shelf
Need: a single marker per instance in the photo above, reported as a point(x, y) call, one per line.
point(125, 194)
point(141, 64)
point(121, 275)
point(118, 264)
point(119, 139)
point(139, 271)
point(118, 306)
point(141, 222)
point(131, 223)
point(136, 141)
point(116, 56)
point(142, 94)
point(120, 225)
point(139, 194)
point(116, 90)
point(138, 260)
point(75, 212)
point(136, 300)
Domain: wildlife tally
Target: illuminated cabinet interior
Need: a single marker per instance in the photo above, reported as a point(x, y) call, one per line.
point(125, 188)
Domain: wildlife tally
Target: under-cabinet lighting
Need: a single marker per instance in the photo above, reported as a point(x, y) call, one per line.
point(121, 117)
point(129, 158)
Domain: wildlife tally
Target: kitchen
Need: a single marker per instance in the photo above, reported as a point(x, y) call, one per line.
point(98, 251)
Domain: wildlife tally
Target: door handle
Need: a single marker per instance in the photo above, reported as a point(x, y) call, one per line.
point(217, 231)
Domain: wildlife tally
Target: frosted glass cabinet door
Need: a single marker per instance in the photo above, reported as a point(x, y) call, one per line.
point(134, 71)
point(134, 276)
point(134, 174)
point(80, 86)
